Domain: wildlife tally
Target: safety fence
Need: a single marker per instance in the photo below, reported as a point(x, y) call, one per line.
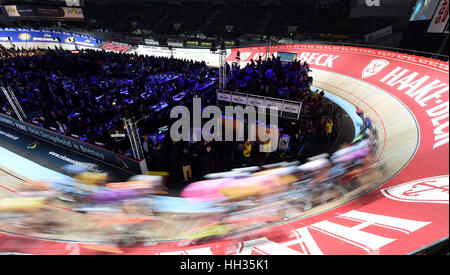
point(286, 108)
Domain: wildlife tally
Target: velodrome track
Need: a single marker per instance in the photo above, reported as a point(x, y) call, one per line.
point(407, 208)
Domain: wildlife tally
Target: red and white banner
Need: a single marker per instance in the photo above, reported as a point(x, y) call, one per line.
point(440, 18)
point(72, 13)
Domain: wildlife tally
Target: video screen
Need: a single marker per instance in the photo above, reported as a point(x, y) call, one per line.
point(287, 57)
point(424, 10)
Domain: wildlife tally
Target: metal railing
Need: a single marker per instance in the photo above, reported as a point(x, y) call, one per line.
point(287, 108)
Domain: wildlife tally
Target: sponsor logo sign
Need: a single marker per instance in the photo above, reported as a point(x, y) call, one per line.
point(440, 18)
point(11, 10)
point(8, 135)
point(332, 53)
point(274, 103)
point(49, 12)
point(239, 99)
point(70, 40)
point(373, 3)
point(375, 66)
point(430, 190)
point(44, 11)
point(122, 162)
point(116, 47)
point(224, 97)
point(291, 108)
point(33, 145)
point(29, 35)
point(73, 13)
point(73, 3)
point(255, 101)
point(25, 36)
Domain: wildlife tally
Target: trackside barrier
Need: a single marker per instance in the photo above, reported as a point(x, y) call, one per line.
point(80, 147)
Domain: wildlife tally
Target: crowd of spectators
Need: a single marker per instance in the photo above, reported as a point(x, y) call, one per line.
point(87, 94)
point(271, 78)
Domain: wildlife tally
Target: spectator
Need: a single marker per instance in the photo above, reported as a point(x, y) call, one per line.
point(186, 164)
point(247, 152)
point(207, 160)
point(147, 147)
point(328, 130)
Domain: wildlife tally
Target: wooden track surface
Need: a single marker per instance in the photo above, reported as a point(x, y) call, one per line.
point(398, 137)
point(9, 182)
point(398, 132)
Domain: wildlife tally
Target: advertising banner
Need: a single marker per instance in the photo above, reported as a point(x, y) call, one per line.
point(192, 43)
point(12, 11)
point(117, 47)
point(15, 35)
point(224, 97)
point(286, 109)
point(74, 3)
point(44, 12)
point(274, 103)
point(175, 43)
point(240, 99)
point(230, 43)
point(73, 144)
point(151, 42)
point(291, 108)
point(155, 51)
point(73, 13)
point(255, 101)
point(440, 18)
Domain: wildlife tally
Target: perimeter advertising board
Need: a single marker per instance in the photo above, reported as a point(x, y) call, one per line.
point(73, 144)
point(117, 47)
point(20, 35)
